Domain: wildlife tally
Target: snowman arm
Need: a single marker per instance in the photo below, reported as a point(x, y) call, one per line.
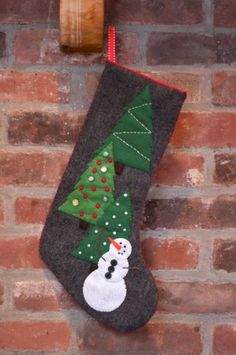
point(103, 258)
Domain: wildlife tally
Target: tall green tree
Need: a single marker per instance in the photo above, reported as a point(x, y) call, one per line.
point(132, 136)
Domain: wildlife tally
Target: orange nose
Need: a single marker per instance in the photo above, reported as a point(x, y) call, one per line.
point(113, 242)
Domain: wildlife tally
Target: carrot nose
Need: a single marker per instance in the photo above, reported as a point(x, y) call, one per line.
point(113, 242)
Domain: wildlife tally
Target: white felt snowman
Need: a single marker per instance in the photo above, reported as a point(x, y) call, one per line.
point(105, 289)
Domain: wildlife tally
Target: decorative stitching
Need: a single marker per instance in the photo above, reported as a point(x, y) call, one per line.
point(116, 134)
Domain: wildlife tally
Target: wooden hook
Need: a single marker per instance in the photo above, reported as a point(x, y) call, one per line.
point(82, 25)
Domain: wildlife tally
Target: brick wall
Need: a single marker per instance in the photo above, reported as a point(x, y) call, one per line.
point(189, 238)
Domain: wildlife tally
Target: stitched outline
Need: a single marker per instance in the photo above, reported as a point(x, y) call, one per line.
point(116, 134)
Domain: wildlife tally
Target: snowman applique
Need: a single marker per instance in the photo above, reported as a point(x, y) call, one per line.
point(104, 289)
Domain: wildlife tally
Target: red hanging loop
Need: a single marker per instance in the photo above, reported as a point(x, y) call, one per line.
point(111, 50)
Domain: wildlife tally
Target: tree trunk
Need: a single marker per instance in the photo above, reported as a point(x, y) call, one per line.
point(119, 167)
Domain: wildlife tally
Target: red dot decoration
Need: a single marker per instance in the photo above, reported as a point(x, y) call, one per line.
point(81, 214)
point(107, 189)
point(93, 188)
point(94, 215)
point(99, 162)
point(103, 180)
point(109, 160)
point(81, 187)
point(94, 171)
point(98, 205)
point(85, 196)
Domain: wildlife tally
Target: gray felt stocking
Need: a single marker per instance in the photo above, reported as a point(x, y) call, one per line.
point(105, 185)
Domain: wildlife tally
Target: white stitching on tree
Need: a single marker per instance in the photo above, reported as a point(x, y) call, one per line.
point(116, 134)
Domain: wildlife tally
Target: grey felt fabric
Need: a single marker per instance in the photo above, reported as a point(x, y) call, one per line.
point(62, 233)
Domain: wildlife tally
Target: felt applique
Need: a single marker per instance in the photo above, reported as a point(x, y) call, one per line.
point(115, 222)
point(132, 136)
point(105, 289)
point(94, 191)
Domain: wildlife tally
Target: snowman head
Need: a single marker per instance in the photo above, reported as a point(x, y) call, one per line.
point(120, 248)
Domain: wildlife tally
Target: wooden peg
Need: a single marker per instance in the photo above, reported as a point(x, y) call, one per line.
point(81, 25)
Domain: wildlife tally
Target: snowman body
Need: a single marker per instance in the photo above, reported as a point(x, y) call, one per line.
point(105, 289)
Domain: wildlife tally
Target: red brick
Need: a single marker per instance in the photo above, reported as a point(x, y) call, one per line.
point(190, 48)
point(180, 169)
point(127, 48)
point(180, 48)
point(153, 338)
point(20, 87)
point(190, 213)
point(29, 11)
point(40, 296)
point(196, 297)
point(224, 339)
point(1, 293)
point(47, 128)
point(154, 12)
point(1, 212)
point(185, 81)
point(170, 254)
point(225, 48)
point(35, 335)
point(223, 88)
point(20, 253)
point(225, 171)
point(31, 210)
point(225, 13)
point(205, 129)
point(2, 44)
point(32, 168)
point(224, 255)
point(39, 51)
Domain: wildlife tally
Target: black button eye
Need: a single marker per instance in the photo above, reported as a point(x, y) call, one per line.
point(113, 262)
point(124, 246)
point(120, 243)
point(108, 275)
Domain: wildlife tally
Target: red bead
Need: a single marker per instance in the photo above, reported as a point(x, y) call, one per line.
point(94, 170)
point(81, 214)
point(109, 160)
point(103, 180)
point(93, 188)
point(85, 196)
point(99, 162)
point(94, 215)
point(98, 206)
point(107, 189)
point(81, 187)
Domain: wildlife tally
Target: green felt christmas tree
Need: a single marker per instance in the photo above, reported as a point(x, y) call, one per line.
point(132, 136)
point(94, 191)
point(115, 223)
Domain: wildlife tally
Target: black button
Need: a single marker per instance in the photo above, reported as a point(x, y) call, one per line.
point(113, 262)
point(107, 275)
point(111, 268)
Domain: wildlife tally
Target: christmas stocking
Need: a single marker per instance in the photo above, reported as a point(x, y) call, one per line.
point(91, 239)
